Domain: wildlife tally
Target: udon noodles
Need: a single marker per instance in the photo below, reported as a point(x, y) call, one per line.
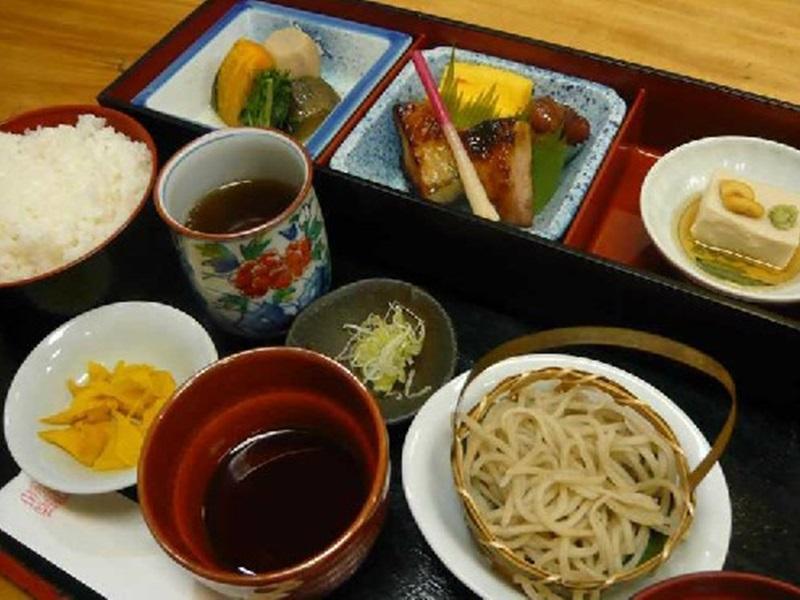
point(570, 480)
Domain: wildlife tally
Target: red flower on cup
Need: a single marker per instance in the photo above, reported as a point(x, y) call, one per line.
point(254, 278)
point(298, 255)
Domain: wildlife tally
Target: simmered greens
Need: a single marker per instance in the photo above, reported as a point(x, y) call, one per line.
point(269, 101)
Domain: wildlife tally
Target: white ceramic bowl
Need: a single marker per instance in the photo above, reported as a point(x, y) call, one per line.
point(131, 331)
point(687, 169)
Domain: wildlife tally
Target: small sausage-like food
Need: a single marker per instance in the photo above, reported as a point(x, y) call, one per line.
point(576, 128)
point(294, 51)
point(548, 115)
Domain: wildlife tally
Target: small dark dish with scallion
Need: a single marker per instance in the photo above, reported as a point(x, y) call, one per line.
point(395, 337)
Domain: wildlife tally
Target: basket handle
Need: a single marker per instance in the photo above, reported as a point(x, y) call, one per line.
point(625, 338)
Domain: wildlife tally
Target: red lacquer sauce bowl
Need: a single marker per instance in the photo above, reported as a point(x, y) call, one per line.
point(720, 585)
point(230, 401)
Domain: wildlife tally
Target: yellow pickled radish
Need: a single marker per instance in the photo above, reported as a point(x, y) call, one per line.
point(110, 414)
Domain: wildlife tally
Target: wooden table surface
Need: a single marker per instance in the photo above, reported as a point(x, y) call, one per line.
point(66, 51)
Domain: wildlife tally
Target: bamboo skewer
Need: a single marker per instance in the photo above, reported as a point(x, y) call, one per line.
point(478, 200)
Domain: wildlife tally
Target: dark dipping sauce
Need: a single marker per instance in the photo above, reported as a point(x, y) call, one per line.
point(240, 205)
point(280, 498)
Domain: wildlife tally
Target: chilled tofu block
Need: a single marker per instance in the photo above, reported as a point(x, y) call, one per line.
point(772, 237)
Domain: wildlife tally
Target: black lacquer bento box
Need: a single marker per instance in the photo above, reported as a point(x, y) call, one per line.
point(602, 267)
point(495, 280)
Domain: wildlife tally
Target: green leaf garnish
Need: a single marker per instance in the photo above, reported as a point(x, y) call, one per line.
point(728, 273)
point(549, 154)
point(466, 114)
point(655, 544)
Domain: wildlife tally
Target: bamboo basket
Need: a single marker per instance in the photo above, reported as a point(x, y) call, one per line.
point(503, 558)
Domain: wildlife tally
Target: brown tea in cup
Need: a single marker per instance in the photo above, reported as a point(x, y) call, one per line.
point(240, 205)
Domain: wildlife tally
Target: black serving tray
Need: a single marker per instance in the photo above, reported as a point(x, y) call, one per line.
point(762, 464)
point(496, 283)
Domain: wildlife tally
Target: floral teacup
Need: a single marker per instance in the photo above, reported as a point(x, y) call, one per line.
point(253, 282)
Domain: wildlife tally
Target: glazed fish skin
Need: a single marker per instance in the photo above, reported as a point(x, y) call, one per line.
point(500, 149)
point(427, 159)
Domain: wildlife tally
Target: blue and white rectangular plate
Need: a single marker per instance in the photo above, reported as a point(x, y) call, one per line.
point(372, 151)
point(355, 57)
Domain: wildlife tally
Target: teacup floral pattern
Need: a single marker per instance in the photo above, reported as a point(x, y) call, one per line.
point(256, 285)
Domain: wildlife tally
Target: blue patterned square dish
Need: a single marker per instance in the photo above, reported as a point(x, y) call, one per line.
point(354, 58)
point(373, 152)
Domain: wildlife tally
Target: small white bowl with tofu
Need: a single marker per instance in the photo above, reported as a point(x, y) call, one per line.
point(726, 211)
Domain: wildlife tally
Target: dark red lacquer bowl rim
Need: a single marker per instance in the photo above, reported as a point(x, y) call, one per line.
point(68, 115)
point(729, 583)
point(302, 571)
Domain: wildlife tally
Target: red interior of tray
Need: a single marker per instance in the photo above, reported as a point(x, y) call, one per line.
point(23, 582)
point(609, 222)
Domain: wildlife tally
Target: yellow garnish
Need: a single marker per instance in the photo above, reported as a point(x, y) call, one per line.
point(475, 93)
point(110, 414)
point(383, 349)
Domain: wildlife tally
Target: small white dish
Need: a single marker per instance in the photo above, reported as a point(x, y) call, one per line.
point(434, 503)
point(131, 331)
point(687, 170)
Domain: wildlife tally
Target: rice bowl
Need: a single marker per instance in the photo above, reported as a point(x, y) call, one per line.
point(71, 178)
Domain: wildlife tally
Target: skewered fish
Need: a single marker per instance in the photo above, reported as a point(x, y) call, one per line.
point(427, 159)
point(500, 149)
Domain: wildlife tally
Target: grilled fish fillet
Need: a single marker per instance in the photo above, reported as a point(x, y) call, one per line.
point(427, 159)
point(500, 149)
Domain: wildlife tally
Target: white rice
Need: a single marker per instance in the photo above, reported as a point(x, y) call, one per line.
point(63, 191)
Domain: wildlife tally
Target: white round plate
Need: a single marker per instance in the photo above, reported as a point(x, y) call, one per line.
point(431, 494)
point(136, 332)
point(687, 170)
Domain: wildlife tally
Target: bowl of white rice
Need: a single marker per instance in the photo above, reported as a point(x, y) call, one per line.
point(72, 178)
